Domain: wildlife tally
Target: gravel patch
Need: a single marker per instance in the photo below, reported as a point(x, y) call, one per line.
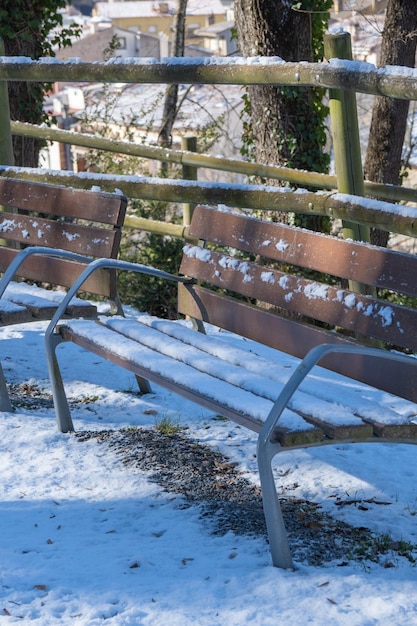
point(226, 499)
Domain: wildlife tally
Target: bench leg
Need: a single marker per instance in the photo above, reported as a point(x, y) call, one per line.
point(277, 535)
point(5, 404)
point(63, 415)
point(143, 384)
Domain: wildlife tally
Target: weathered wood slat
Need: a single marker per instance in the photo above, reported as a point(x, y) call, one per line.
point(55, 271)
point(194, 351)
point(37, 231)
point(42, 303)
point(396, 431)
point(62, 201)
point(11, 313)
point(74, 220)
point(346, 259)
point(186, 369)
point(357, 404)
point(319, 301)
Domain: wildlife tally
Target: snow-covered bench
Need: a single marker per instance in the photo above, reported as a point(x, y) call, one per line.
point(61, 230)
point(245, 277)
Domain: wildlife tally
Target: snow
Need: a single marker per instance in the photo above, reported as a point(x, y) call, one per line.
point(85, 540)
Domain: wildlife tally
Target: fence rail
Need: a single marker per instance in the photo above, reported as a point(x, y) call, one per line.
point(336, 74)
point(391, 193)
point(374, 213)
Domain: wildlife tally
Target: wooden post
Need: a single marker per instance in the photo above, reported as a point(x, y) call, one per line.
point(189, 172)
point(6, 158)
point(346, 140)
point(6, 146)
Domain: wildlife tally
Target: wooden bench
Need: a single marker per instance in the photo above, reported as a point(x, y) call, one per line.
point(61, 230)
point(245, 277)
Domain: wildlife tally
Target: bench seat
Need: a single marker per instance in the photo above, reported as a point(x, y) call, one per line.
point(23, 303)
point(236, 383)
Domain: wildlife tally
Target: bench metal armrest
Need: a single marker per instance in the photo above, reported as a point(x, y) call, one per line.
point(107, 264)
point(27, 252)
point(267, 448)
point(311, 359)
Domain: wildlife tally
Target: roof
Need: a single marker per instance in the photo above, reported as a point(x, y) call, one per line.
point(144, 8)
point(215, 29)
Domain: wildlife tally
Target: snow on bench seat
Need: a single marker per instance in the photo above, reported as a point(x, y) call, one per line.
point(232, 380)
point(42, 303)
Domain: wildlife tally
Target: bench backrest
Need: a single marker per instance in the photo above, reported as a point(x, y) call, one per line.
point(291, 293)
point(37, 214)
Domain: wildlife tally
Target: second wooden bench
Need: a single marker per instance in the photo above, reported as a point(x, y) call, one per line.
point(284, 287)
point(61, 230)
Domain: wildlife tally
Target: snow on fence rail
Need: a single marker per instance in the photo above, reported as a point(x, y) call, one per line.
point(374, 213)
point(392, 81)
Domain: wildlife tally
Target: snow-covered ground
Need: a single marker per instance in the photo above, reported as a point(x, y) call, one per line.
point(86, 540)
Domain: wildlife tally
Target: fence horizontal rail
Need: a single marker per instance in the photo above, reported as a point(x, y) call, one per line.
point(289, 175)
point(392, 81)
point(374, 213)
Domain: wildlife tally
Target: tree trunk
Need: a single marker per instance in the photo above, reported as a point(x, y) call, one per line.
point(285, 127)
point(268, 28)
point(25, 99)
point(389, 116)
point(171, 94)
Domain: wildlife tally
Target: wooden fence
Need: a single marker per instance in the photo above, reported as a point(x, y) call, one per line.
point(343, 196)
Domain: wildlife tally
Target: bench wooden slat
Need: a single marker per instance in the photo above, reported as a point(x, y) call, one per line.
point(319, 301)
point(11, 313)
point(401, 432)
point(37, 231)
point(55, 271)
point(350, 260)
point(42, 303)
point(102, 207)
point(74, 220)
point(340, 424)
